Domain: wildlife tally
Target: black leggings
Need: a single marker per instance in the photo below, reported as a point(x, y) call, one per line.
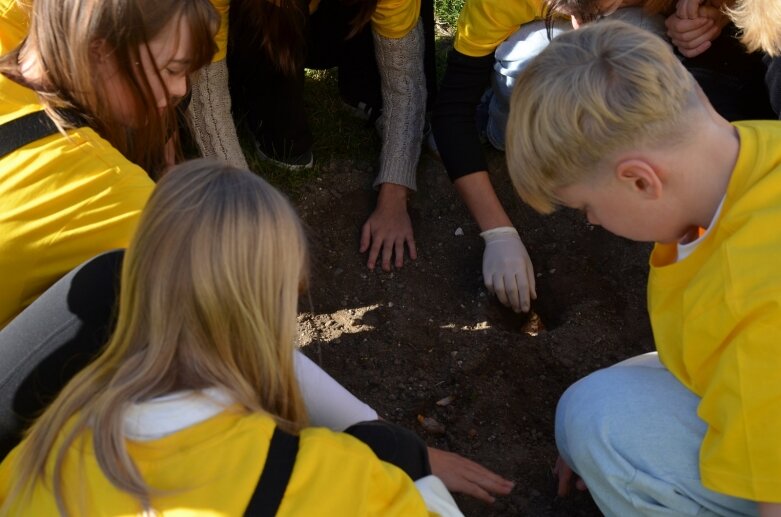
point(52, 340)
point(270, 103)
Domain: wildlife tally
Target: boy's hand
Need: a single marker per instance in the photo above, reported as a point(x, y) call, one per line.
point(389, 228)
point(507, 269)
point(567, 478)
point(693, 35)
point(467, 477)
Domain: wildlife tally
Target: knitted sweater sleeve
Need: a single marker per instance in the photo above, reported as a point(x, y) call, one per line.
point(400, 63)
point(210, 112)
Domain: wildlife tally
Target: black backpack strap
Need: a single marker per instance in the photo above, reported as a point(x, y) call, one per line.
point(28, 128)
point(274, 478)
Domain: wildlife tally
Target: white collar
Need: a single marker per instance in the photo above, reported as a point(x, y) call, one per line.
point(161, 416)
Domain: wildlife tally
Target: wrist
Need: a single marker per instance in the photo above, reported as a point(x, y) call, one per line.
point(499, 232)
point(393, 193)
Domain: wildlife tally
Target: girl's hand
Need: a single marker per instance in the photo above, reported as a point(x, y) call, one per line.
point(693, 36)
point(467, 477)
point(388, 229)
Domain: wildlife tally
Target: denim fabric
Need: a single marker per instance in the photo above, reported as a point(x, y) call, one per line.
point(517, 51)
point(632, 433)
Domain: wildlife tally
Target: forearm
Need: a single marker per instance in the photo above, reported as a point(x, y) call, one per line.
point(453, 119)
point(400, 64)
point(481, 200)
point(210, 112)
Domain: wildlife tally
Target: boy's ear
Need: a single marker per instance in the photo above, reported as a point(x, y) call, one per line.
point(640, 176)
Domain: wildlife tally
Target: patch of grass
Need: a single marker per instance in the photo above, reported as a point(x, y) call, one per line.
point(446, 14)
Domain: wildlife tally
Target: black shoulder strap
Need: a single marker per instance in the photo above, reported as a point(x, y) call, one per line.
point(29, 128)
point(276, 473)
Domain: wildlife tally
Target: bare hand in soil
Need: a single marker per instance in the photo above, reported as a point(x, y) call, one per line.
point(467, 477)
point(567, 479)
point(389, 228)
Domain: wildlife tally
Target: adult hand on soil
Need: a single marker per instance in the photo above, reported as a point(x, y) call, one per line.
point(389, 228)
point(567, 478)
point(693, 36)
point(467, 477)
point(507, 269)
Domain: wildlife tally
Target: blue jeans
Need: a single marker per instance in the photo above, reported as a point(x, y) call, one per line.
point(632, 433)
point(517, 51)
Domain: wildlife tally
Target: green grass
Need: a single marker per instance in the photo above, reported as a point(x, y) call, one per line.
point(338, 135)
point(446, 13)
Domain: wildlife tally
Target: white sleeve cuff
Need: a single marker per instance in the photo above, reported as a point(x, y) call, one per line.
point(328, 403)
point(438, 499)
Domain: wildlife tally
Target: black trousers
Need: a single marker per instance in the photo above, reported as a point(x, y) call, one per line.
point(270, 103)
point(732, 79)
point(52, 340)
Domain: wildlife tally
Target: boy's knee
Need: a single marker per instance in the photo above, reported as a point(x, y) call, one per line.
point(589, 413)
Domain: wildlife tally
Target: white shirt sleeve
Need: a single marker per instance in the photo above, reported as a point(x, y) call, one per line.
point(437, 498)
point(328, 403)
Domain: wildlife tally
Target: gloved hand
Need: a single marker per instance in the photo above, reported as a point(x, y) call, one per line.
point(507, 269)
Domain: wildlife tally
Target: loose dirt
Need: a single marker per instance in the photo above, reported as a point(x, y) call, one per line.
point(428, 342)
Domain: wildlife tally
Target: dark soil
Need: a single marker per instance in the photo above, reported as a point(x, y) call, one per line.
point(402, 341)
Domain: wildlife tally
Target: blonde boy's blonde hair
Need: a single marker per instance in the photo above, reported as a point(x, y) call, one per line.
point(591, 93)
point(760, 24)
point(209, 297)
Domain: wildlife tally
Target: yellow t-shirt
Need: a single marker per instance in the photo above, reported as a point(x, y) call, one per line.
point(15, 22)
point(484, 24)
point(212, 468)
point(221, 38)
point(392, 18)
point(716, 318)
point(62, 201)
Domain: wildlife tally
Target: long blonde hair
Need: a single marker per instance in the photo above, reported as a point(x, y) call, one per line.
point(760, 24)
point(209, 297)
point(64, 32)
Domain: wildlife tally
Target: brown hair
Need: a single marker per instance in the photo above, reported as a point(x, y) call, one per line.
point(281, 27)
point(590, 10)
point(63, 34)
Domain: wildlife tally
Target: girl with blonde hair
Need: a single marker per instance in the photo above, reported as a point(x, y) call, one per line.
point(194, 398)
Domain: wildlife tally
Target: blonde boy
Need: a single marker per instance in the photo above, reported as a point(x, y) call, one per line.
point(607, 121)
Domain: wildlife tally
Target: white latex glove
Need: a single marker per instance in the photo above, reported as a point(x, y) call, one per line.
point(507, 269)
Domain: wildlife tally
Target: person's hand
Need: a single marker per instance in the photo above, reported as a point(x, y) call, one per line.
point(467, 477)
point(567, 479)
point(507, 269)
point(687, 9)
point(693, 36)
point(388, 228)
